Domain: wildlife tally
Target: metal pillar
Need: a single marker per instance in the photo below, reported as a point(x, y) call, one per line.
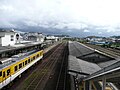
point(104, 83)
point(90, 85)
point(84, 85)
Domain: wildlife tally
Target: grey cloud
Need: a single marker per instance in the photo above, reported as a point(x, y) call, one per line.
point(56, 16)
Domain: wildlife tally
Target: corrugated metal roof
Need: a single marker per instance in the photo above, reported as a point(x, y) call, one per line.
point(81, 66)
point(9, 48)
point(87, 54)
point(108, 63)
point(77, 49)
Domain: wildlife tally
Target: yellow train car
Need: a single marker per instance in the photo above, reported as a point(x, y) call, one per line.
point(17, 65)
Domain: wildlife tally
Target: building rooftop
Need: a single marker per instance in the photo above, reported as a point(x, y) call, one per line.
point(17, 46)
point(77, 49)
point(88, 54)
point(80, 66)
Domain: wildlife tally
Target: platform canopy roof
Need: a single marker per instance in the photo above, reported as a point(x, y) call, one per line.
point(19, 46)
point(77, 49)
point(81, 67)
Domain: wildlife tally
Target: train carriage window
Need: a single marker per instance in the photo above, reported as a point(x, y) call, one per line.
point(4, 74)
point(8, 72)
point(15, 68)
point(26, 62)
point(31, 59)
point(20, 65)
point(34, 58)
point(37, 55)
point(0, 73)
point(23, 63)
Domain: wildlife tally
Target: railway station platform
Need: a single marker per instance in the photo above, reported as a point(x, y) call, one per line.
point(8, 51)
point(50, 47)
point(94, 69)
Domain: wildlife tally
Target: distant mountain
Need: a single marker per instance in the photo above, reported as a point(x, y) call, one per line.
point(115, 36)
point(16, 30)
point(62, 35)
point(94, 37)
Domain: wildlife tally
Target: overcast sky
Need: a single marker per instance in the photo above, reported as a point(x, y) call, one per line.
point(74, 17)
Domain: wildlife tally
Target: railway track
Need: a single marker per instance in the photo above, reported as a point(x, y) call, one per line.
point(62, 77)
point(44, 70)
point(112, 52)
point(37, 79)
point(115, 50)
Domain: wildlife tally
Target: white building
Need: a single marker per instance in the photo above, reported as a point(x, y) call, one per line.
point(36, 37)
point(9, 38)
point(52, 38)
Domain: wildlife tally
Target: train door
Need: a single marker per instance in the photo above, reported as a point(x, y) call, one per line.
point(0, 76)
point(3, 75)
point(6, 73)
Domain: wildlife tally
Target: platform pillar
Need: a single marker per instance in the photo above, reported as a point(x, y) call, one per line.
point(104, 83)
point(84, 85)
point(90, 85)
